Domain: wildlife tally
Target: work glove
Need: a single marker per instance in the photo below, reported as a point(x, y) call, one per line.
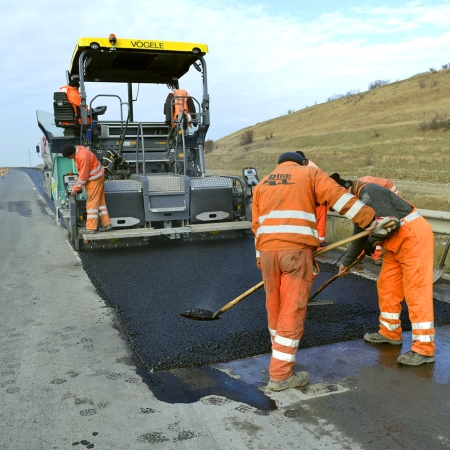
point(258, 263)
point(343, 271)
point(378, 226)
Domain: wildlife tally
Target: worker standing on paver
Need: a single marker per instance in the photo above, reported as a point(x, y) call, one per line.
point(406, 273)
point(284, 224)
point(321, 210)
point(74, 98)
point(376, 254)
point(91, 176)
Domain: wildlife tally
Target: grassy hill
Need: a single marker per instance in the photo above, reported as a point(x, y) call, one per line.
point(399, 131)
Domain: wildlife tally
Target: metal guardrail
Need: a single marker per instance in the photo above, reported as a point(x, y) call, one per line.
point(439, 220)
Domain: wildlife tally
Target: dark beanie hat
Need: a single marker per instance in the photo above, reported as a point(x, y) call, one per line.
point(68, 150)
point(291, 156)
point(344, 183)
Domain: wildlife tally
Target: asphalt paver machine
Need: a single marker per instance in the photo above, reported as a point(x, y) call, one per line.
point(156, 184)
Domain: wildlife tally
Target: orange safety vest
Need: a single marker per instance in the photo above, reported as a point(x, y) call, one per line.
point(180, 104)
point(88, 167)
point(284, 207)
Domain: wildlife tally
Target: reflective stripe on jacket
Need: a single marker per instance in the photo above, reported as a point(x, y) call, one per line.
point(88, 167)
point(284, 205)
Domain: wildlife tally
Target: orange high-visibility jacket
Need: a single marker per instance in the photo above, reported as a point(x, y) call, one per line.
point(74, 98)
point(385, 182)
point(284, 205)
point(180, 104)
point(88, 167)
point(321, 213)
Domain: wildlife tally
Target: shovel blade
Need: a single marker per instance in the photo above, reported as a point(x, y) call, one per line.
point(199, 314)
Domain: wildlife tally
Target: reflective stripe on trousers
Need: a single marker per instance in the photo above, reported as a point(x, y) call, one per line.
point(288, 277)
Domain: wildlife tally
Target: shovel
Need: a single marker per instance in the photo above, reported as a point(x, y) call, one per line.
point(204, 314)
point(439, 273)
point(335, 277)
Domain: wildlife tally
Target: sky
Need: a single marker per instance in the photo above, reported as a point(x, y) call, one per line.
point(265, 58)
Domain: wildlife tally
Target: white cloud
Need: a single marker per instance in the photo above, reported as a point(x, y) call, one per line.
point(260, 65)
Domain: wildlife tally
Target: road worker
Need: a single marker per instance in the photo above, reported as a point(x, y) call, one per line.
point(375, 253)
point(179, 101)
point(406, 273)
point(284, 225)
point(321, 210)
point(74, 97)
point(91, 176)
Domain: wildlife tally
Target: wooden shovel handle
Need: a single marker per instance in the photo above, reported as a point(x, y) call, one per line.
point(238, 299)
point(349, 239)
point(316, 253)
point(335, 277)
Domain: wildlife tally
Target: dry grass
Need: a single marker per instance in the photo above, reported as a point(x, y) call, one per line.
point(379, 132)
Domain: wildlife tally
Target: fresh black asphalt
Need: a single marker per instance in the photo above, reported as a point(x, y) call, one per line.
point(150, 286)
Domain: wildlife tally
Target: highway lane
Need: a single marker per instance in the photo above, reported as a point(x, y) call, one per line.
point(68, 376)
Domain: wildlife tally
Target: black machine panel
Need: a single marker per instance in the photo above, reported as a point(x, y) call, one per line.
point(211, 199)
point(125, 203)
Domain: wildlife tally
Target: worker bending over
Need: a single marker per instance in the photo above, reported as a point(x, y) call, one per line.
point(91, 176)
point(406, 273)
point(284, 224)
point(377, 255)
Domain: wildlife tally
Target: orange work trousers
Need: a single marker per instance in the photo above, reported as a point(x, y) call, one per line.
point(321, 218)
point(407, 273)
point(96, 204)
point(288, 277)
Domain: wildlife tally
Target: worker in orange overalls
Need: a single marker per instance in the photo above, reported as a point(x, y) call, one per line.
point(74, 98)
point(90, 176)
point(284, 224)
point(377, 253)
point(406, 273)
point(321, 210)
point(177, 102)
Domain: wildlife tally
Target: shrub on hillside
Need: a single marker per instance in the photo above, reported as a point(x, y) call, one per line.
point(439, 121)
point(378, 83)
point(246, 137)
point(268, 135)
point(346, 95)
point(209, 146)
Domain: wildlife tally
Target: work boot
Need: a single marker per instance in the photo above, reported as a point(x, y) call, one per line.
point(295, 380)
point(414, 359)
point(377, 338)
point(90, 231)
point(377, 262)
point(107, 228)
